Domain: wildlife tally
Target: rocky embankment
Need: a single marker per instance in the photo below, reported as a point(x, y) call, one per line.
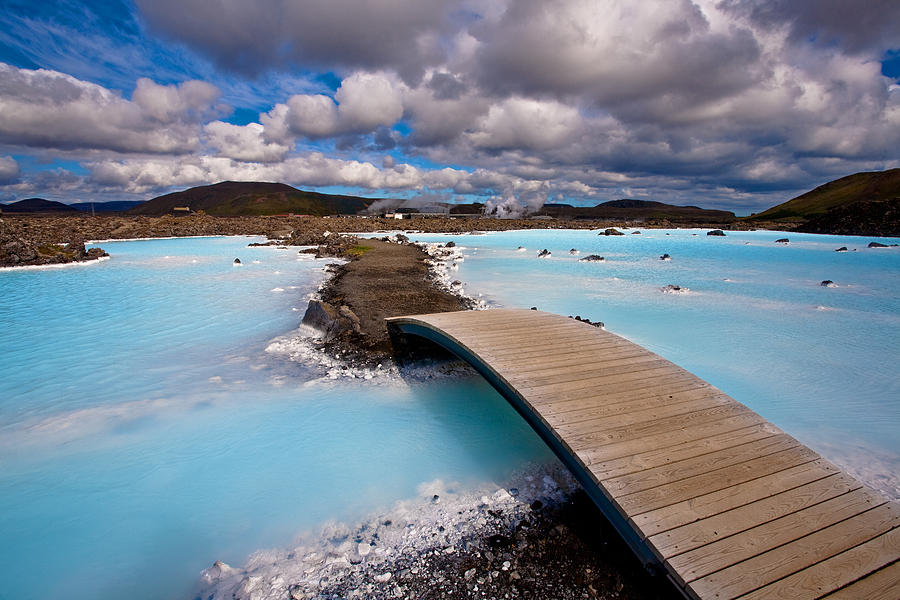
point(382, 278)
point(19, 251)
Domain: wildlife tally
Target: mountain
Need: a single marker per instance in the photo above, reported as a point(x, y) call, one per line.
point(628, 209)
point(860, 204)
point(37, 205)
point(233, 198)
point(105, 207)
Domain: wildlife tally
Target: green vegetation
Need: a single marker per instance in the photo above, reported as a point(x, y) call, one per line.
point(868, 187)
point(250, 198)
point(357, 251)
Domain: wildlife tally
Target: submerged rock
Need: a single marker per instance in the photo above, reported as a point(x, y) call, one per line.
point(674, 289)
point(783, 241)
point(841, 249)
point(592, 258)
point(718, 232)
point(880, 245)
point(573, 251)
point(665, 257)
point(612, 231)
point(828, 283)
point(521, 249)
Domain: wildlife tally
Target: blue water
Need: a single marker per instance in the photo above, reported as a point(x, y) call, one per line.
point(145, 430)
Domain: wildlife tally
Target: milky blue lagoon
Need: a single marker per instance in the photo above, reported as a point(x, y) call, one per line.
point(157, 411)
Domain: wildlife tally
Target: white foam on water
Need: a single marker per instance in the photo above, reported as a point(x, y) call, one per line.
point(439, 518)
point(54, 266)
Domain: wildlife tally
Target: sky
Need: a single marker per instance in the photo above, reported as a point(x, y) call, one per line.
point(728, 104)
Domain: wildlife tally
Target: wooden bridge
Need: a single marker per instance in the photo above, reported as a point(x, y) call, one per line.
point(700, 486)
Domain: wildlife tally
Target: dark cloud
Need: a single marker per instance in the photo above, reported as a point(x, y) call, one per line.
point(337, 34)
point(855, 26)
point(9, 170)
point(446, 86)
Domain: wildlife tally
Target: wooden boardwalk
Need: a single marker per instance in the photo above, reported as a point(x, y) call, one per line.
point(700, 486)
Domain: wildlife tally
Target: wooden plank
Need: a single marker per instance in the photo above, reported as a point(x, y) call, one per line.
point(660, 411)
point(719, 526)
point(574, 357)
point(647, 459)
point(600, 382)
point(671, 493)
point(883, 584)
point(706, 505)
point(591, 408)
point(648, 390)
point(594, 373)
point(682, 469)
point(839, 571)
point(659, 426)
point(548, 347)
point(723, 553)
point(668, 439)
point(771, 566)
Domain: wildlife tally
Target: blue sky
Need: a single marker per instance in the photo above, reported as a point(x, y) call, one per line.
point(735, 105)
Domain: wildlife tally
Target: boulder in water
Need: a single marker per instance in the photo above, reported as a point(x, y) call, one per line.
point(544, 253)
point(717, 232)
point(237, 261)
point(783, 241)
point(573, 251)
point(828, 283)
point(450, 245)
point(330, 321)
point(674, 289)
point(592, 258)
point(635, 233)
point(665, 257)
point(612, 231)
point(880, 245)
point(841, 249)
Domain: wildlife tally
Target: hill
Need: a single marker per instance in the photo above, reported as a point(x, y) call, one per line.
point(234, 198)
point(106, 207)
point(867, 186)
point(629, 209)
point(37, 205)
point(865, 203)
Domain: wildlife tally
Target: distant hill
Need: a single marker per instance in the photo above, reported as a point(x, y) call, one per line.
point(106, 207)
point(233, 198)
point(860, 204)
point(37, 205)
point(629, 209)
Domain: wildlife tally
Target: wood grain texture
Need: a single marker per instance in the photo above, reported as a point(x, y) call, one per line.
point(728, 503)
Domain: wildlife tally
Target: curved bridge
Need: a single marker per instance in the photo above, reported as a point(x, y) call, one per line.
point(700, 486)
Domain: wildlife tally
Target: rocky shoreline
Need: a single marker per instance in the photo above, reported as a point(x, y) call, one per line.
point(539, 538)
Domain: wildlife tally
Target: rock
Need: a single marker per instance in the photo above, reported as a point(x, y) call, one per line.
point(635, 233)
point(612, 231)
point(521, 249)
point(718, 232)
point(544, 253)
point(841, 249)
point(592, 258)
point(573, 251)
point(384, 577)
point(674, 289)
point(828, 283)
point(331, 322)
point(880, 245)
point(296, 592)
point(237, 261)
point(665, 257)
point(783, 241)
point(450, 245)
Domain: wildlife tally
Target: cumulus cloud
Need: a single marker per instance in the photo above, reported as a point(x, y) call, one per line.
point(48, 109)
point(245, 143)
point(362, 103)
point(9, 170)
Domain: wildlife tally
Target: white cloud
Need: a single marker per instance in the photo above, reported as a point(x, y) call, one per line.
point(246, 143)
point(9, 170)
point(48, 109)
